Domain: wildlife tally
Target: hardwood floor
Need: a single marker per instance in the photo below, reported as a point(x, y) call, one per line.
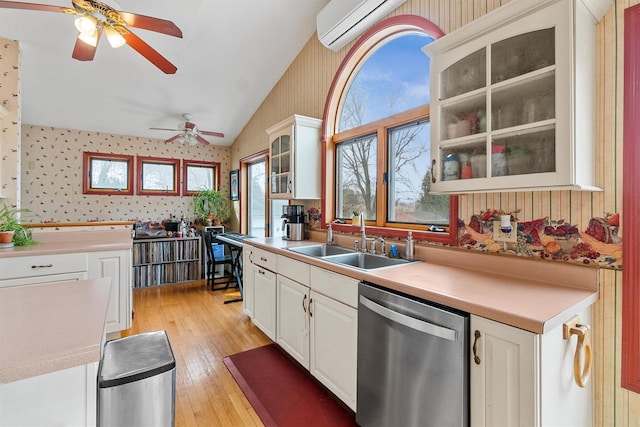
point(202, 330)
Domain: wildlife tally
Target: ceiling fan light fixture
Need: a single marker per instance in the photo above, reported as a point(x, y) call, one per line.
point(89, 38)
point(86, 24)
point(114, 37)
point(190, 139)
point(180, 139)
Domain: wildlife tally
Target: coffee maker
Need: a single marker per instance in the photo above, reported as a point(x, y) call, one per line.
point(293, 222)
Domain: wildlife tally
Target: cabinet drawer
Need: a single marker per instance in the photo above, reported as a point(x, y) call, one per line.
point(333, 285)
point(264, 259)
point(42, 265)
point(293, 269)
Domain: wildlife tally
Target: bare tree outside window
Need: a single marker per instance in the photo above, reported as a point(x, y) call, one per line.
point(357, 177)
point(392, 80)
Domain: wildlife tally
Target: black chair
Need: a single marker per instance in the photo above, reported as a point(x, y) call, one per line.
point(213, 261)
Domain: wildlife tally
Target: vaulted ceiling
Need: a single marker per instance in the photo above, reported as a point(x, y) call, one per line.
point(231, 55)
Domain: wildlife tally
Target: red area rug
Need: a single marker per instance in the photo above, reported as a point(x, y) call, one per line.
point(282, 393)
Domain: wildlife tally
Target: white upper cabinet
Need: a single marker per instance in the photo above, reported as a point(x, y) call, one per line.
point(513, 100)
point(295, 156)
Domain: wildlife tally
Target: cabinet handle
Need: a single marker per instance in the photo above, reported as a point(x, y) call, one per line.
point(261, 272)
point(310, 302)
point(42, 266)
point(263, 259)
point(433, 171)
point(581, 368)
point(303, 306)
point(475, 347)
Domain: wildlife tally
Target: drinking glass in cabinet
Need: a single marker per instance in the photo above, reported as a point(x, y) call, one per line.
point(519, 160)
point(499, 160)
point(284, 184)
point(478, 161)
point(275, 165)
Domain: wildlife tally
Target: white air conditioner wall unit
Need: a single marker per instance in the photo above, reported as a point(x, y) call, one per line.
point(341, 21)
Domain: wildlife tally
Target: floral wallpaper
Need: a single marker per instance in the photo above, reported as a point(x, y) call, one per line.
point(52, 175)
point(10, 123)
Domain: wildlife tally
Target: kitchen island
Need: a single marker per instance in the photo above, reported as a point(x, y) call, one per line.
point(50, 342)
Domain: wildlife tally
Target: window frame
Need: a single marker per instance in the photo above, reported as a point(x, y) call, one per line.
point(201, 164)
point(391, 27)
point(87, 159)
point(159, 161)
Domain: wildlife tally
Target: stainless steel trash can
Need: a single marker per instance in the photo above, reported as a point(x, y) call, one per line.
point(137, 382)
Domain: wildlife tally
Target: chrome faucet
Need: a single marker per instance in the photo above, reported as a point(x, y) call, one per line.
point(364, 237)
point(383, 247)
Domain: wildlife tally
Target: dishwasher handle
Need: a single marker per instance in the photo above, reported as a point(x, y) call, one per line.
point(411, 322)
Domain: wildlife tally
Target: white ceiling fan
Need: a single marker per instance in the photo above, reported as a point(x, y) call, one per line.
point(189, 133)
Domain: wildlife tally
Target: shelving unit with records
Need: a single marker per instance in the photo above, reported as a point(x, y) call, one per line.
point(165, 261)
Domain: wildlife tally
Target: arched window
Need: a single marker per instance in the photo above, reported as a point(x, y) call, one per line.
point(377, 135)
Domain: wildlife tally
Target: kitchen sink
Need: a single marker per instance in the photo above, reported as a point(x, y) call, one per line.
point(365, 261)
point(321, 250)
point(348, 257)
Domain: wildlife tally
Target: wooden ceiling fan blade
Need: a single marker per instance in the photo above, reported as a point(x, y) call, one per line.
point(206, 132)
point(201, 140)
point(172, 130)
point(149, 53)
point(150, 23)
point(34, 6)
point(83, 51)
point(173, 138)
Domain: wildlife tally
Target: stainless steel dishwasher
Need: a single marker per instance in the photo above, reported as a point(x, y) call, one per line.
point(412, 361)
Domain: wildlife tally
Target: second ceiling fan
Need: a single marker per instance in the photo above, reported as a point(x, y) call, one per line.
point(189, 133)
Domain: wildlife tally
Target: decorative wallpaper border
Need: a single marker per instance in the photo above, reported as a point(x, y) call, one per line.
point(552, 239)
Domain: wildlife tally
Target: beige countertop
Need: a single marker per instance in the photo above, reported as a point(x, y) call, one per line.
point(528, 294)
point(52, 241)
point(50, 327)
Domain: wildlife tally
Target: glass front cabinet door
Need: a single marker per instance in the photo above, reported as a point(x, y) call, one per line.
point(294, 151)
point(513, 109)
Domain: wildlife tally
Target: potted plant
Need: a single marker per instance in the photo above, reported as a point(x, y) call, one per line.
point(212, 205)
point(10, 228)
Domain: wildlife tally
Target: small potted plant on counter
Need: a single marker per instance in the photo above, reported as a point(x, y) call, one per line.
point(12, 232)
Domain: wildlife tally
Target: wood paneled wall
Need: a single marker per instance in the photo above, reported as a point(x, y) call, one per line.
point(303, 90)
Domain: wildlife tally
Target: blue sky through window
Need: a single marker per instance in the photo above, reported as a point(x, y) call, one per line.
point(393, 79)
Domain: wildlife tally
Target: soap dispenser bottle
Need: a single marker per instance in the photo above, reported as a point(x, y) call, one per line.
point(329, 235)
point(408, 247)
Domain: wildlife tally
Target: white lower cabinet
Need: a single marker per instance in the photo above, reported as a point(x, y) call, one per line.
point(247, 281)
point(334, 339)
point(293, 319)
point(60, 398)
point(502, 374)
point(519, 378)
point(117, 266)
point(29, 270)
point(264, 294)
